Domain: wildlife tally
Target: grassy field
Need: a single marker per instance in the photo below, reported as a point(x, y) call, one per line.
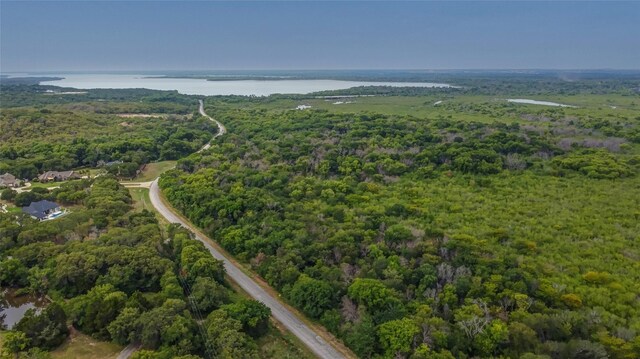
point(80, 346)
point(154, 170)
point(141, 199)
point(14, 209)
point(9, 207)
point(282, 345)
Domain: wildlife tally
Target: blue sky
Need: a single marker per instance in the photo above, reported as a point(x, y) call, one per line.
point(81, 36)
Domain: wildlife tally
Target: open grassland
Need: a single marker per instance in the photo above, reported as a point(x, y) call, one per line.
point(141, 199)
point(154, 170)
point(81, 346)
point(282, 345)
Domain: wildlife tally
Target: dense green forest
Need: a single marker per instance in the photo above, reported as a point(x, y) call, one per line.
point(54, 132)
point(115, 274)
point(435, 235)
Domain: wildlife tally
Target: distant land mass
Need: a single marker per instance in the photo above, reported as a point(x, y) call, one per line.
point(396, 75)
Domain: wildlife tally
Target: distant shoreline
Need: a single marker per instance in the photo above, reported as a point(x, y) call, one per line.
point(241, 86)
point(283, 78)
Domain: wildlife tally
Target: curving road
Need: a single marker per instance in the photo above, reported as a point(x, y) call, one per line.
point(128, 351)
point(280, 312)
point(221, 129)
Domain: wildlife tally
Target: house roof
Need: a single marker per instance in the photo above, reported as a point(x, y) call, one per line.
point(57, 174)
point(39, 209)
point(7, 178)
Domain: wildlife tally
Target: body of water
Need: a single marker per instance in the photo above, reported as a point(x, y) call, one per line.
point(191, 86)
point(13, 307)
point(536, 102)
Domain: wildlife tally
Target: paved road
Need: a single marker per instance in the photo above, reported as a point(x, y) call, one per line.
point(137, 184)
point(221, 129)
point(308, 336)
point(27, 187)
point(128, 351)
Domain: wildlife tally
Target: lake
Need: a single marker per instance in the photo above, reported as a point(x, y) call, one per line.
point(13, 307)
point(536, 102)
point(191, 86)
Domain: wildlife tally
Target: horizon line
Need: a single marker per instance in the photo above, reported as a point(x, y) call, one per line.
point(327, 69)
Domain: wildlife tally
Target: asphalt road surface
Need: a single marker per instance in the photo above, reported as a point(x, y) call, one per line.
point(221, 129)
point(128, 351)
